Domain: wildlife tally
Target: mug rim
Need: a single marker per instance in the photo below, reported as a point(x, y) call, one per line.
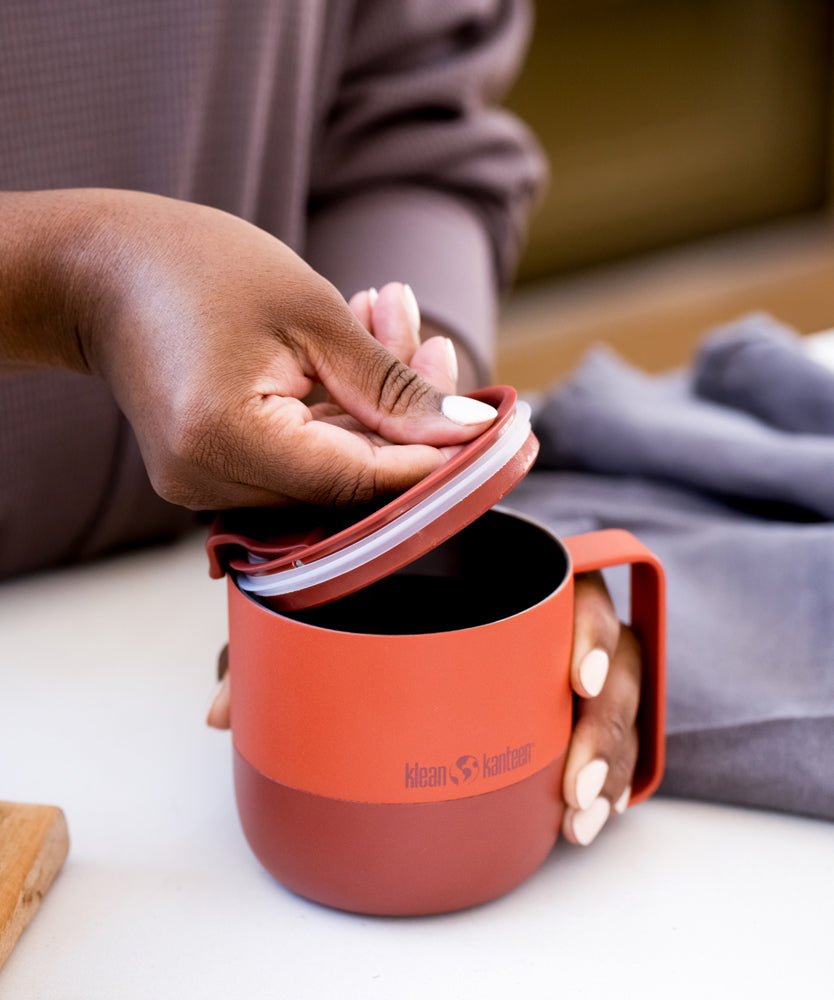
point(263, 600)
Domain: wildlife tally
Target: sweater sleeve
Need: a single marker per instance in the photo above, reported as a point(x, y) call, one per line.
point(419, 175)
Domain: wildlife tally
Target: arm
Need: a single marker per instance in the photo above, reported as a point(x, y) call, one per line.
point(210, 332)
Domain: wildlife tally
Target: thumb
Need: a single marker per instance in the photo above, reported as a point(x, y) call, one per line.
point(393, 400)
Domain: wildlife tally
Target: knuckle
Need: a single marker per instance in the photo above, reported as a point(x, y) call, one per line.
point(400, 388)
point(617, 728)
point(622, 764)
point(630, 650)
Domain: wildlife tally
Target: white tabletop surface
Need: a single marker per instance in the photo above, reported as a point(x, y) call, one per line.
point(106, 670)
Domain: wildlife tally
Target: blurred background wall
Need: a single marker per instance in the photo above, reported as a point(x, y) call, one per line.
point(690, 148)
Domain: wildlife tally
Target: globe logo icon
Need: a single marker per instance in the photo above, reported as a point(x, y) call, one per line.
point(464, 769)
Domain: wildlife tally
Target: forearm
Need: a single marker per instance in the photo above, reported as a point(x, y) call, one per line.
point(78, 266)
point(41, 312)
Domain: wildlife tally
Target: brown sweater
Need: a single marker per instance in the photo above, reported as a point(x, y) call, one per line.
point(361, 132)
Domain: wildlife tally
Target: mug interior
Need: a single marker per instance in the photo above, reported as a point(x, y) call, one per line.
point(496, 567)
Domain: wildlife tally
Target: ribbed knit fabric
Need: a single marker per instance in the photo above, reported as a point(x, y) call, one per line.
point(360, 132)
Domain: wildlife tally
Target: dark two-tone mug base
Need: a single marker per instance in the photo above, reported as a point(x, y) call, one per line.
point(400, 859)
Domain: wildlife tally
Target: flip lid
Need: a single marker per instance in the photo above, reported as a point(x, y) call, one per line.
point(302, 567)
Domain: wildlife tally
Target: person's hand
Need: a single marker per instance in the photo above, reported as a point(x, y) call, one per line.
point(224, 332)
point(211, 333)
point(393, 316)
point(605, 676)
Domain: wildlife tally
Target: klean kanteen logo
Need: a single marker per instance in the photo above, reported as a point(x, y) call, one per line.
point(468, 768)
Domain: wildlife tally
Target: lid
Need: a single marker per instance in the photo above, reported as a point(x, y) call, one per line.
point(305, 567)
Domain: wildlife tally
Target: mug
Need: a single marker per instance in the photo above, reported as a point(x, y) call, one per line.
point(399, 751)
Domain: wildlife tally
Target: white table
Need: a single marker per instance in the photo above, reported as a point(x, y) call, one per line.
point(106, 670)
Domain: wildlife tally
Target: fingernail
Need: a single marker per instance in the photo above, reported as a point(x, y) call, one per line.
point(589, 782)
point(373, 295)
point(466, 411)
point(593, 670)
point(452, 356)
point(622, 802)
point(411, 308)
point(587, 823)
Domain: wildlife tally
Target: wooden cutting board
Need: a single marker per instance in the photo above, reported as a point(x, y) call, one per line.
point(33, 845)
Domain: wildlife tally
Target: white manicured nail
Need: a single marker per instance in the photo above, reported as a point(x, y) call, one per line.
point(411, 308)
point(590, 781)
point(452, 356)
point(593, 670)
point(373, 295)
point(622, 802)
point(466, 411)
point(587, 823)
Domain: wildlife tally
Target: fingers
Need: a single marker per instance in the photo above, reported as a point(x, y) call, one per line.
point(322, 461)
point(604, 730)
point(335, 470)
point(605, 674)
point(395, 320)
point(595, 634)
point(219, 715)
point(389, 426)
point(370, 377)
point(436, 360)
point(275, 450)
point(393, 316)
point(219, 712)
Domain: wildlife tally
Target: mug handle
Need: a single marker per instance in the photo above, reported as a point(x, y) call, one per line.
point(614, 547)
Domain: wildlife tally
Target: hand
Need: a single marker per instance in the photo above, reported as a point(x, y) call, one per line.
point(605, 676)
point(392, 315)
point(210, 334)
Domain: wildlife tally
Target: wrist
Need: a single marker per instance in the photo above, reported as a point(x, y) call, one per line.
point(57, 276)
point(39, 321)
